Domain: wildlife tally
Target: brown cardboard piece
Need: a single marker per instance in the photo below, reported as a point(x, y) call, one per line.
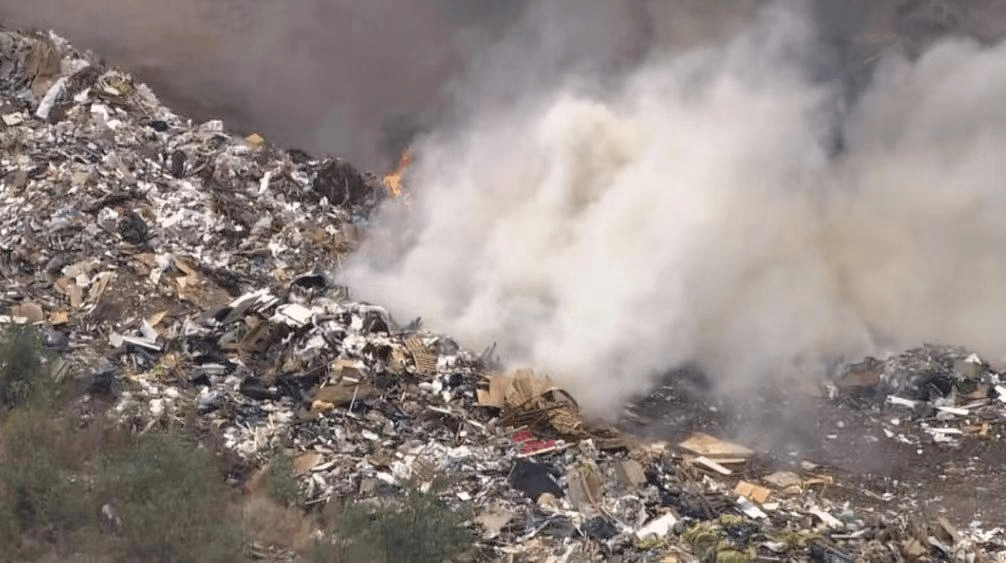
point(715, 449)
point(753, 492)
point(306, 462)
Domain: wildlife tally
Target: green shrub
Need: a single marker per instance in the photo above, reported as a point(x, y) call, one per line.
point(168, 498)
point(24, 378)
point(39, 488)
point(171, 500)
point(281, 485)
point(414, 528)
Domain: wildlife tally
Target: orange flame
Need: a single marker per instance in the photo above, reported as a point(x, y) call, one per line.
point(393, 180)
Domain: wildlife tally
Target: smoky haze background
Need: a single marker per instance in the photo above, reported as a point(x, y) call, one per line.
point(359, 79)
point(692, 204)
point(344, 77)
point(354, 79)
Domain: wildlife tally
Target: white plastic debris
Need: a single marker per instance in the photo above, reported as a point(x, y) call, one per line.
point(11, 119)
point(293, 314)
point(827, 519)
point(156, 407)
point(750, 509)
point(148, 331)
point(658, 527)
point(49, 100)
point(894, 400)
point(956, 431)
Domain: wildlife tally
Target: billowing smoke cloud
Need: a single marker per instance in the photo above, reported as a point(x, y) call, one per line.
point(695, 211)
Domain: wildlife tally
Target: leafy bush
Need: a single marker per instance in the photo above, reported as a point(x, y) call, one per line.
point(171, 500)
point(101, 492)
point(38, 492)
point(414, 528)
point(24, 379)
point(281, 485)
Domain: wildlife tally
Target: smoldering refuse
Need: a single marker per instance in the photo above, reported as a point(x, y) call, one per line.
point(694, 213)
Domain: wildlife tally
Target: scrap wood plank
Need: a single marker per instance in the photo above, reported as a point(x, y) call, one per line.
point(495, 395)
point(713, 448)
point(710, 464)
point(415, 345)
point(753, 492)
point(426, 362)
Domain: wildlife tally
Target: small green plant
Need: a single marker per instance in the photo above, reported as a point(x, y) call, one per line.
point(38, 489)
point(281, 484)
point(416, 527)
point(100, 493)
point(105, 492)
point(798, 540)
point(24, 378)
point(325, 551)
point(171, 500)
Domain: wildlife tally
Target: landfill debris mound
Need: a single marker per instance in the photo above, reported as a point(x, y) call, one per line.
point(181, 269)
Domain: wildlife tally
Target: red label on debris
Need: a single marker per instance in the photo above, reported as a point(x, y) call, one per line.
point(531, 445)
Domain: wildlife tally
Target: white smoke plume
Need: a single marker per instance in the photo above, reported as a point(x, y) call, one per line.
point(693, 213)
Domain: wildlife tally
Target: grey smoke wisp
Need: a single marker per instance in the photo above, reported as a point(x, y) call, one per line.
point(693, 210)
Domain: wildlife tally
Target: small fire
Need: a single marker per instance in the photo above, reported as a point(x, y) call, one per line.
point(393, 180)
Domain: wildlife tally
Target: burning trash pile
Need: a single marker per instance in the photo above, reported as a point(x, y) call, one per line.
point(187, 274)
